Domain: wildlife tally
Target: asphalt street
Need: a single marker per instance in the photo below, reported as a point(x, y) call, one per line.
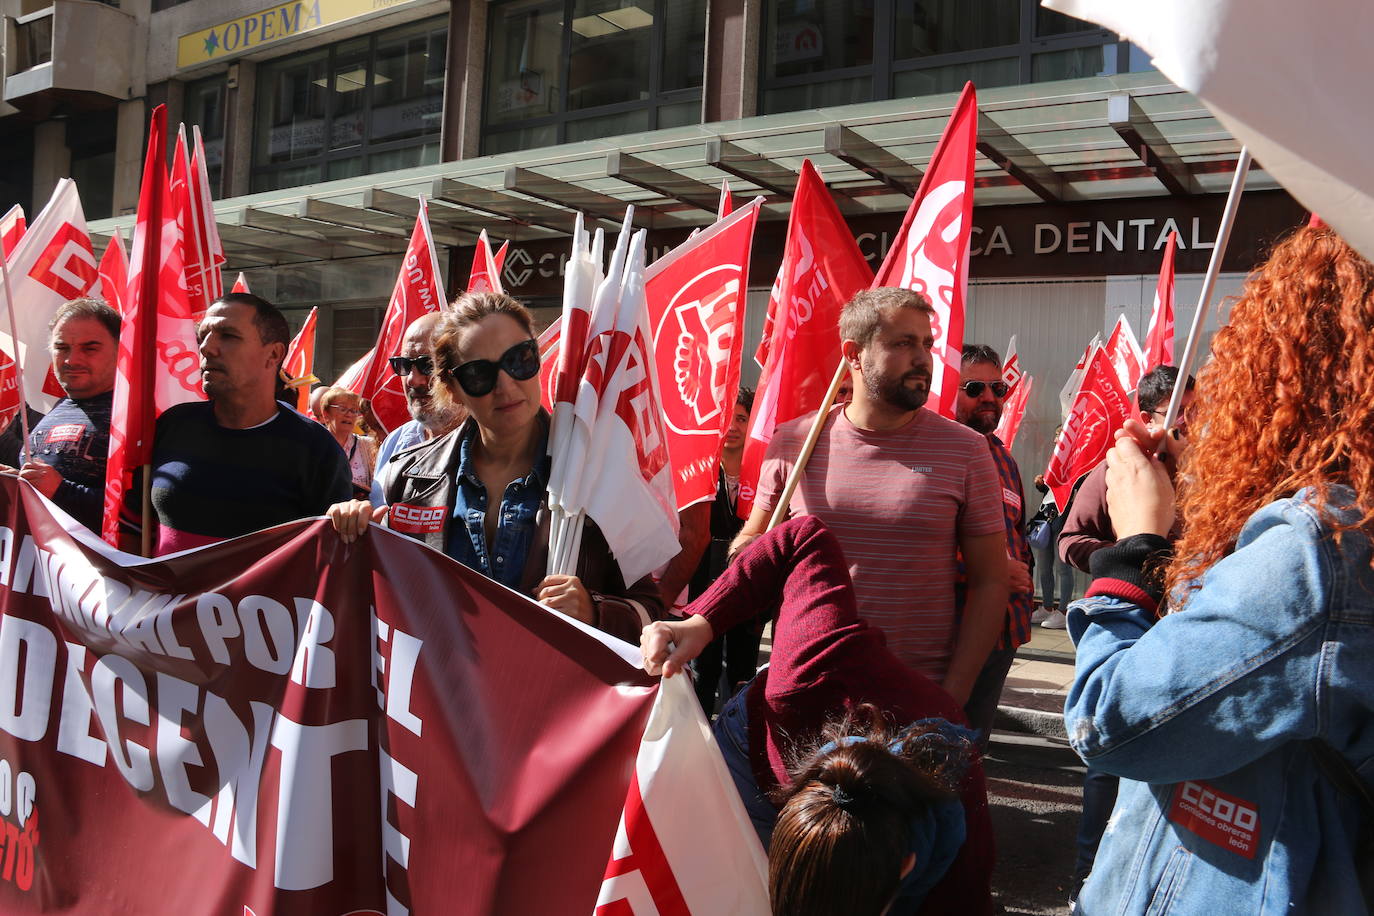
point(1035, 791)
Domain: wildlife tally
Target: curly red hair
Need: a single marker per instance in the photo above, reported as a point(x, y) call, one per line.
point(1287, 400)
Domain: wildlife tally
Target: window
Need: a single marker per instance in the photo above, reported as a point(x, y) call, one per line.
point(566, 70)
point(205, 107)
point(369, 104)
point(91, 139)
point(835, 52)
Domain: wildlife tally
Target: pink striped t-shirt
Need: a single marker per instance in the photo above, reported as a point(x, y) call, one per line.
point(898, 501)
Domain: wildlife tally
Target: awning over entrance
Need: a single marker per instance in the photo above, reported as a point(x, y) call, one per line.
point(1127, 136)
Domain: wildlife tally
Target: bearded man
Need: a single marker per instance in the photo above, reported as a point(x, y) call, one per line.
point(905, 491)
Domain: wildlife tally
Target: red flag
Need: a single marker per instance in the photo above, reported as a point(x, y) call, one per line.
point(930, 252)
point(240, 284)
point(1125, 355)
point(1159, 339)
point(697, 295)
point(822, 268)
point(418, 291)
point(193, 259)
point(207, 233)
point(486, 273)
point(12, 229)
point(726, 205)
point(159, 362)
point(1014, 410)
point(500, 259)
point(114, 274)
point(1011, 366)
point(298, 367)
point(1099, 409)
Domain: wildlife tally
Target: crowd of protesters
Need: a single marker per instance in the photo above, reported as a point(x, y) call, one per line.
point(1221, 702)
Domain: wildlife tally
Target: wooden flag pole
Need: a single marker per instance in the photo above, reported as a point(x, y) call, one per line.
point(780, 510)
point(18, 368)
point(146, 546)
point(1204, 301)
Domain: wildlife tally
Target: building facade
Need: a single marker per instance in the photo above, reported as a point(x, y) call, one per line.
point(325, 121)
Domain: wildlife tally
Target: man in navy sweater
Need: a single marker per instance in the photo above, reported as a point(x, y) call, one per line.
point(69, 446)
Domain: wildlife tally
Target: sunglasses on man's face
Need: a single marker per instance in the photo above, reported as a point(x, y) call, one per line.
point(478, 377)
point(402, 365)
point(975, 389)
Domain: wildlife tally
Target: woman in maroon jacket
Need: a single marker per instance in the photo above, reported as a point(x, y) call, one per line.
point(826, 662)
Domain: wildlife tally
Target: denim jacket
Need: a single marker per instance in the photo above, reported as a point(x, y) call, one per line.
point(1205, 715)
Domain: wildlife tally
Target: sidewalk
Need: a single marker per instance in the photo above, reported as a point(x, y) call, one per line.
point(1040, 677)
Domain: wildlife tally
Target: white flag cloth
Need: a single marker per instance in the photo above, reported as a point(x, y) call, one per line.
point(1290, 81)
point(685, 844)
point(52, 263)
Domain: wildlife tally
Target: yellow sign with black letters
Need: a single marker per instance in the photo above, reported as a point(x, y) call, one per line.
point(256, 30)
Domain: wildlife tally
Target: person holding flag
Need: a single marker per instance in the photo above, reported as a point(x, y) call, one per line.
point(903, 489)
point(479, 493)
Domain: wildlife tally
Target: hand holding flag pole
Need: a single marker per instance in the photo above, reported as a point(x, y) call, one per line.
point(780, 511)
point(1204, 302)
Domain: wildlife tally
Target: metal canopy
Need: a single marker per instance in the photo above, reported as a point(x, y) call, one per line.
point(1130, 135)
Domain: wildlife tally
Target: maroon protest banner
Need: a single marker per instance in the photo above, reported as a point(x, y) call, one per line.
point(283, 723)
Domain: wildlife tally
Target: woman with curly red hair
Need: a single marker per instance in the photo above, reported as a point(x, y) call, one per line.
point(1239, 720)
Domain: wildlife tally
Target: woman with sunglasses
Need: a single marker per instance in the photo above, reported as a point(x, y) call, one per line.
point(340, 410)
point(488, 478)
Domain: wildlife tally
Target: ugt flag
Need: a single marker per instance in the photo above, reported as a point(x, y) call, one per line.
point(1159, 339)
point(1099, 409)
point(930, 253)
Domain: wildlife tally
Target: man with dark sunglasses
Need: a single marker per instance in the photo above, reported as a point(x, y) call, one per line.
point(979, 407)
point(415, 365)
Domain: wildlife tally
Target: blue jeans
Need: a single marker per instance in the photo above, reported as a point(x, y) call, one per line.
point(1051, 568)
point(1099, 798)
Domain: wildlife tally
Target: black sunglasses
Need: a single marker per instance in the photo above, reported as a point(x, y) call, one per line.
point(478, 377)
point(975, 389)
point(401, 365)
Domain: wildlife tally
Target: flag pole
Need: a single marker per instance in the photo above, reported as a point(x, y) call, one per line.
point(1204, 302)
point(18, 367)
point(146, 529)
point(780, 510)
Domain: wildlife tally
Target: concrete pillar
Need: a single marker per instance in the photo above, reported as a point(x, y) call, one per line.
point(242, 90)
point(52, 160)
point(130, 146)
point(732, 60)
point(461, 131)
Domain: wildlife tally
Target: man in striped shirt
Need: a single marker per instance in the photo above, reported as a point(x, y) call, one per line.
point(903, 489)
point(979, 407)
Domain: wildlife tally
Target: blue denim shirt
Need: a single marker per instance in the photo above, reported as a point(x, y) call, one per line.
point(515, 529)
point(1205, 714)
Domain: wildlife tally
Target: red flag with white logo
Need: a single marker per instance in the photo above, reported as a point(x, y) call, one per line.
point(114, 273)
point(12, 227)
point(207, 233)
point(52, 263)
point(159, 361)
point(486, 273)
point(1099, 409)
point(822, 268)
point(1125, 354)
point(685, 844)
point(298, 368)
point(696, 296)
point(1014, 410)
point(1159, 339)
point(419, 290)
point(194, 260)
point(240, 284)
point(930, 252)
point(1011, 366)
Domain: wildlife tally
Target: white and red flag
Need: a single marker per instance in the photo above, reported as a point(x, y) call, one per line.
point(821, 269)
point(1011, 365)
point(1014, 410)
point(419, 290)
point(1159, 339)
point(685, 844)
point(1099, 409)
point(696, 295)
point(114, 273)
point(241, 284)
point(726, 206)
point(486, 273)
point(12, 227)
point(52, 264)
point(159, 361)
point(1125, 354)
point(499, 259)
point(207, 233)
point(1070, 388)
point(298, 368)
point(199, 293)
point(930, 252)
